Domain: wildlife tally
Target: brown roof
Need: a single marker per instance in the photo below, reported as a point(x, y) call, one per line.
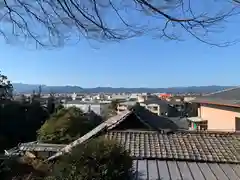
point(198, 147)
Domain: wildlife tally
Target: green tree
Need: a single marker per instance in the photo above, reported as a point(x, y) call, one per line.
point(59, 107)
point(6, 88)
point(51, 103)
point(19, 122)
point(23, 168)
point(97, 159)
point(65, 126)
point(112, 110)
point(114, 104)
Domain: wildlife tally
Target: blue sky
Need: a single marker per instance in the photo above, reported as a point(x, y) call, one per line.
point(140, 62)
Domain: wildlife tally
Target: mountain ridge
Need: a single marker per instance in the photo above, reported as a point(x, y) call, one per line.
point(29, 88)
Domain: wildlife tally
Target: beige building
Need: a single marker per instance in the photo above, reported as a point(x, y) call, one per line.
point(218, 112)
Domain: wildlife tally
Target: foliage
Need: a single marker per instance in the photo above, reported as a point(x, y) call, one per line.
point(6, 88)
point(59, 107)
point(65, 126)
point(19, 122)
point(114, 104)
point(112, 110)
point(97, 159)
point(51, 104)
point(24, 169)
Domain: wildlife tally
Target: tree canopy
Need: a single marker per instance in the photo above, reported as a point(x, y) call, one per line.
point(6, 88)
point(19, 123)
point(66, 125)
point(19, 120)
point(56, 22)
point(97, 159)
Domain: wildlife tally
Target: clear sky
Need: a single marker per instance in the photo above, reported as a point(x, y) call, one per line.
point(140, 62)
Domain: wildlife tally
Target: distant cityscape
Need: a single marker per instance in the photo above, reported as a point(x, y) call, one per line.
point(29, 88)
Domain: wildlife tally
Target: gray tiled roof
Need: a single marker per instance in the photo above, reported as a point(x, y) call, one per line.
point(155, 121)
point(180, 170)
point(40, 147)
point(155, 100)
point(228, 94)
point(207, 147)
point(108, 124)
point(216, 100)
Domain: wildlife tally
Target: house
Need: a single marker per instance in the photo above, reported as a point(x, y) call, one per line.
point(218, 111)
point(159, 154)
point(156, 105)
point(136, 119)
point(120, 96)
point(178, 155)
point(164, 96)
point(123, 106)
point(100, 108)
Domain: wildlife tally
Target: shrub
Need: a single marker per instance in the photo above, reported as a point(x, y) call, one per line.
point(23, 168)
point(97, 159)
point(65, 126)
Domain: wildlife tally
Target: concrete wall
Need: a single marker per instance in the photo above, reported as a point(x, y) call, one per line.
point(100, 109)
point(219, 117)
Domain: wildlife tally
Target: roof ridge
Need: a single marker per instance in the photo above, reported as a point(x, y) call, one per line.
point(106, 124)
point(178, 132)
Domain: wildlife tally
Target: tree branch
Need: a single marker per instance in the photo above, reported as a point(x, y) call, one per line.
point(53, 23)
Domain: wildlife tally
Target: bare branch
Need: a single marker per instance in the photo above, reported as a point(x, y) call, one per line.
point(53, 23)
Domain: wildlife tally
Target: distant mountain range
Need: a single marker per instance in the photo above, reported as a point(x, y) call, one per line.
point(29, 88)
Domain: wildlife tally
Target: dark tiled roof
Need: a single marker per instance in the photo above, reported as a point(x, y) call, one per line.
point(228, 94)
point(180, 170)
point(155, 100)
point(216, 100)
point(35, 146)
point(182, 123)
point(155, 121)
point(207, 147)
point(225, 97)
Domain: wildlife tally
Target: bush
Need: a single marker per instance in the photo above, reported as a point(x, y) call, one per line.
point(65, 126)
point(23, 169)
point(99, 159)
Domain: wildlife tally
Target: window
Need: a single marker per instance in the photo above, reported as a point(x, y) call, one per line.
point(203, 125)
point(237, 124)
point(155, 108)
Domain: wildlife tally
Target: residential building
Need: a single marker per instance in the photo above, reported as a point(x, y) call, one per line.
point(123, 106)
point(100, 108)
point(164, 95)
point(156, 105)
point(161, 154)
point(218, 111)
point(120, 96)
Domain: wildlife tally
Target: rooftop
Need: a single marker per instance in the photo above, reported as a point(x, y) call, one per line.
point(228, 97)
point(198, 147)
point(87, 102)
point(180, 170)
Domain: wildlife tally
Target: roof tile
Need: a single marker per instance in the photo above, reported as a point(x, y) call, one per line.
point(207, 147)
